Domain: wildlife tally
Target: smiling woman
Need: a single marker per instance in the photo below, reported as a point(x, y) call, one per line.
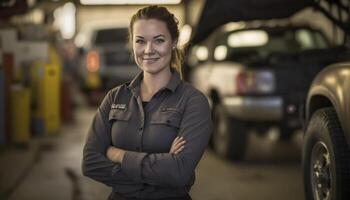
point(152, 45)
point(148, 136)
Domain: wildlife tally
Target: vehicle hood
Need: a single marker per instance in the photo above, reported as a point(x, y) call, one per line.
point(218, 12)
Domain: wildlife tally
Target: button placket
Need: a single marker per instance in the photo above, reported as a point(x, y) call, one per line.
point(142, 125)
point(141, 128)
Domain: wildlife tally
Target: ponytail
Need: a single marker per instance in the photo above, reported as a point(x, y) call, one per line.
point(176, 61)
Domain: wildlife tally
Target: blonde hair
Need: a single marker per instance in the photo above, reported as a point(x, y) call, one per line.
point(162, 14)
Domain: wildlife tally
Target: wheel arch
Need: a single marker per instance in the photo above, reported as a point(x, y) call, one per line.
point(319, 101)
point(330, 88)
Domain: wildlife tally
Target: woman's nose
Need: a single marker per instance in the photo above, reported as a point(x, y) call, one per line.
point(149, 48)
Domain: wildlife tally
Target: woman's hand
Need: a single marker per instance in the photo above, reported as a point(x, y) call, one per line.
point(177, 146)
point(115, 155)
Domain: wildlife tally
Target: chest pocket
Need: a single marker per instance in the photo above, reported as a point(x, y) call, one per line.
point(168, 117)
point(119, 120)
point(119, 115)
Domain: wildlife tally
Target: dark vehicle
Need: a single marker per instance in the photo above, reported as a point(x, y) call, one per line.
point(326, 149)
point(326, 152)
point(256, 78)
point(106, 60)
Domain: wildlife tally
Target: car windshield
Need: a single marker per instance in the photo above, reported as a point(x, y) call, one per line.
point(112, 43)
point(111, 36)
point(260, 44)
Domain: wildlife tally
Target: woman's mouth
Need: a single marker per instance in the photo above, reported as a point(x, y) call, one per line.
point(149, 60)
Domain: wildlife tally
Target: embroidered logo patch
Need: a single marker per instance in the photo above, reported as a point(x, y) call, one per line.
point(164, 109)
point(119, 106)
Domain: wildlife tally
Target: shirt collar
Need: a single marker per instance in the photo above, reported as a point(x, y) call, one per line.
point(134, 85)
point(175, 80)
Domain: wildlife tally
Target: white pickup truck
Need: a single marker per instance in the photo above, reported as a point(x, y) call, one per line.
point(257, 77)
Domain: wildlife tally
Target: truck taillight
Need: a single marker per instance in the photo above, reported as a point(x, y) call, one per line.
point(255, 82)
point(92, 61)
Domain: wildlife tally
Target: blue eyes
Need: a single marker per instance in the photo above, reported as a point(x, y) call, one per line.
point(159, 41)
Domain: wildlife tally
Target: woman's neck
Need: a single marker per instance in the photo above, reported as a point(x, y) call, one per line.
point(152, 83)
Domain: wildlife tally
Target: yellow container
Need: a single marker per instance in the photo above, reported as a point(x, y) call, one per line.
point(93, 80)
point(45, 86)
point(20, 114)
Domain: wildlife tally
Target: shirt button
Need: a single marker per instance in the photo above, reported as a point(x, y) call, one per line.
point(141, 128)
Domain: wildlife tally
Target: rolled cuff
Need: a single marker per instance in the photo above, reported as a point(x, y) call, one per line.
point(131, 165)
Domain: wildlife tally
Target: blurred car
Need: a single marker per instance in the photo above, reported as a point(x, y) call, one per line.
point(106, 59)
point(326, 152)
point(257, 77)
point(326, 116)
point(326, 147)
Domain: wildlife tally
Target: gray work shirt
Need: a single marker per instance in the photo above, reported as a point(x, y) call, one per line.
point(148, 170)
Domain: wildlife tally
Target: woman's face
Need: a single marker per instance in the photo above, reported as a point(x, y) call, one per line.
point(152, 45)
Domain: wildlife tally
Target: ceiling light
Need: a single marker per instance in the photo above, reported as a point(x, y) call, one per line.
point(123, 2)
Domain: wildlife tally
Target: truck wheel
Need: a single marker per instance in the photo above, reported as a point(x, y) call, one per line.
point(326, 158)
point(230, 135)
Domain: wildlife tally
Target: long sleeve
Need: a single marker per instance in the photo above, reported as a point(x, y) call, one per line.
point(95, 164)
point(165, 169)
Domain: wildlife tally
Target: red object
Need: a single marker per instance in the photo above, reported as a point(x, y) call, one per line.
point(92, 61)
point(245, 82)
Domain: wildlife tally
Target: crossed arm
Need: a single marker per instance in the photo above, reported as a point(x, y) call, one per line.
point(116, 154)
point(115, 167)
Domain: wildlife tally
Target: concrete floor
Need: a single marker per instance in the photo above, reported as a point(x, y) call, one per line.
point(271, 171)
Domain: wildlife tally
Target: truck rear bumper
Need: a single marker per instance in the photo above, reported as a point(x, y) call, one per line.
point(255, 108)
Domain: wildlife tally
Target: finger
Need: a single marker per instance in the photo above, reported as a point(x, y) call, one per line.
point(180, 139)
point(175, 140)
point(173, 148)
point(179, 150)
point(178, 145)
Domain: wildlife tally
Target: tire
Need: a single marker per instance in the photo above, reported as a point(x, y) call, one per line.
point(326, 158)
point(230, 135)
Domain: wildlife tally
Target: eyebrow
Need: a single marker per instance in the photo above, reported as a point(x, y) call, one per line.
point(157, 36)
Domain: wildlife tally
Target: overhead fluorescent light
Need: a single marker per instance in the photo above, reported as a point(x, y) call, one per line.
point(185, 35)
point(123, 2)
point(64, 20)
